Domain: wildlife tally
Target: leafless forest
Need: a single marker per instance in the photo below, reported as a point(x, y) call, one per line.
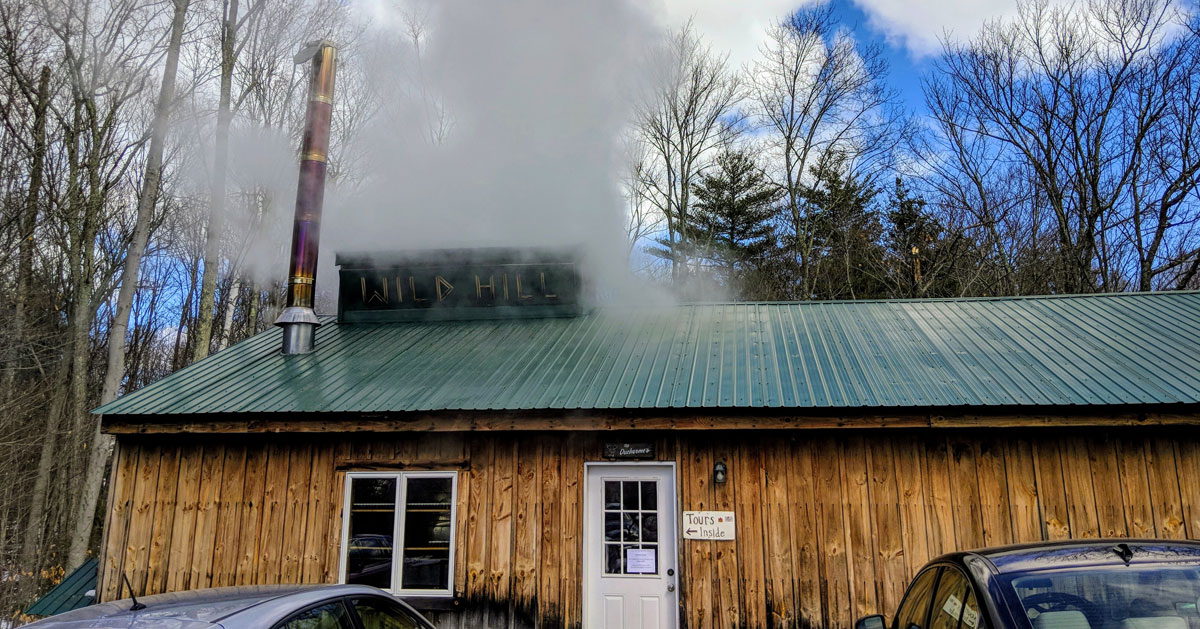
point(144, 144)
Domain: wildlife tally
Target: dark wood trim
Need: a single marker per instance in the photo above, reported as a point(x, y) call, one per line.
point(1182, 415)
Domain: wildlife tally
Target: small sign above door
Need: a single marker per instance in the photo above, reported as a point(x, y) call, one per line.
point(711, 525)
point(629, 451)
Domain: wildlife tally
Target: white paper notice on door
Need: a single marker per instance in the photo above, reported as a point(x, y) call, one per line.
point(640, 561)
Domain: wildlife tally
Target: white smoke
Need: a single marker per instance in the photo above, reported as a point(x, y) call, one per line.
point(501, 128)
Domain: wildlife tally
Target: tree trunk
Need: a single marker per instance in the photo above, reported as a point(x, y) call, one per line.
point(212, 246)
point(28, 225)
point(230, 305)
point(101, 444)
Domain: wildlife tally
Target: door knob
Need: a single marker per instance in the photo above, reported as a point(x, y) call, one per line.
point(671, 587)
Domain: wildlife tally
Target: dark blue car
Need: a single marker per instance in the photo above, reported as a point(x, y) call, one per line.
point(1094, 584)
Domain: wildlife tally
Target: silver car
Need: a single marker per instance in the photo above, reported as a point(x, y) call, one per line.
point(258, 607)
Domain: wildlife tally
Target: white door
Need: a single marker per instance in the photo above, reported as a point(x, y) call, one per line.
point(629, 537)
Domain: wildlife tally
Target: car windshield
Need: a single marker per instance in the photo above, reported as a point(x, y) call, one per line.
point(1124, 597)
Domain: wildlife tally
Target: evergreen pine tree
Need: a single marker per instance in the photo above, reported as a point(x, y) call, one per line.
point(732, 225)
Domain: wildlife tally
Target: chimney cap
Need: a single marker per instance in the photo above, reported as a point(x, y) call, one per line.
point(311, 49)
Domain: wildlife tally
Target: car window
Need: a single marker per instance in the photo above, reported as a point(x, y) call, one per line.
point(971, 618)
point(331, 615)
point(912, 612)
point(948, 602)
point(379, 613)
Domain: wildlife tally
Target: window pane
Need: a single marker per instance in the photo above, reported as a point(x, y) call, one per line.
point(328, 616)
point(612, 527)
point(649, 495)
point(612, 494)
point(383, 614)
point(916, 603)
point(649, 527)
point(372, 521)
point(427, 513)
point(612, 559)
point(632, 526)
point(948, 602)
point(629, 495)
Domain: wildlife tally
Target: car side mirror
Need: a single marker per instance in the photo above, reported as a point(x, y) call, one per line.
point(874, 621)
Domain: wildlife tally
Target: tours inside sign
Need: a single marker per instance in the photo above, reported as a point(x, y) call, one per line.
point(456, 285)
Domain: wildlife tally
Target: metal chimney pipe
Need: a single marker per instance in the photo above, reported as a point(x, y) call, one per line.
point(298, 320)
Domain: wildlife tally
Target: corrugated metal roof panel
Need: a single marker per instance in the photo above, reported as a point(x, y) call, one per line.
point(1140, 348)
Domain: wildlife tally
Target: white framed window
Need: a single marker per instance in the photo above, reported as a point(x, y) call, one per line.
point(398, 531)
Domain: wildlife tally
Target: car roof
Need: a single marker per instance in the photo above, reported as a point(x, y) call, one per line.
point(1079, 553)
point(193, 609)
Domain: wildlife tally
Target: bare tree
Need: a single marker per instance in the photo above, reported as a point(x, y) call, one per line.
point(816, 92)
point(690, 107)
point(1097, 103)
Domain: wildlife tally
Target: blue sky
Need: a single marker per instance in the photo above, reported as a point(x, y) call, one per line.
point(906, 69)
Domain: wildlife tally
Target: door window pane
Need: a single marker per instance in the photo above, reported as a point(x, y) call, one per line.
point(631, 518)
point(329, 616)
point(428, 507)
point(372, 523)
point(916, 603)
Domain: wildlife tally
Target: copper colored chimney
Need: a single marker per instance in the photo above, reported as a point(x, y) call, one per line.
point(298, 320)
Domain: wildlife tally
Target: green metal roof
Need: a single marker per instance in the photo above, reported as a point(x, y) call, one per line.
point(1137, 348)
point(70, 593)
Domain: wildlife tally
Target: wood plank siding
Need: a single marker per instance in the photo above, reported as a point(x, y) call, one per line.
point(831, 524)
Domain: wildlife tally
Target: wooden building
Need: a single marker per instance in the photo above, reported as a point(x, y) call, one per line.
point(470, 437)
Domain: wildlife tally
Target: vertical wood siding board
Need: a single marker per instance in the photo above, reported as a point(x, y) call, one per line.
point(805, 544)
point(462, 529)
point(526, 518)
point(1105, 471)
point(137, 544)
point(206, 517)
point(500, 554)
point(860, 542)
point(1189, 485)
point(836, 597)
point(294, 521)
point(117, 531)
point(572, 517)
point(727, 602)
point(319, 504)
point(269, 562)
point(941, 496)
point(1081, 492)
point(777, 522)
point(1025, 504)
point(1135, 487)
point(910, 473)
point(995, 508)
point(1164, 488)
point(696, 495)
point(166, 494)
point(229, 533)
point(890, 554)
point(115, 493)
point(965, 487)
point(253, 490)
point(478, 517)
point(337, 497)
point(1051, 488)
point(552, 571)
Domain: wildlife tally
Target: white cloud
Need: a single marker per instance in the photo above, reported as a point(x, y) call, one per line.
point(734, 27)
point(919, 25)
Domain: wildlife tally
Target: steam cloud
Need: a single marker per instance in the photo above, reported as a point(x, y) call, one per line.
point(536, 95)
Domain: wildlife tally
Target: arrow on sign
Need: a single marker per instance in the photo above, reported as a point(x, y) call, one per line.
point(690, 531)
